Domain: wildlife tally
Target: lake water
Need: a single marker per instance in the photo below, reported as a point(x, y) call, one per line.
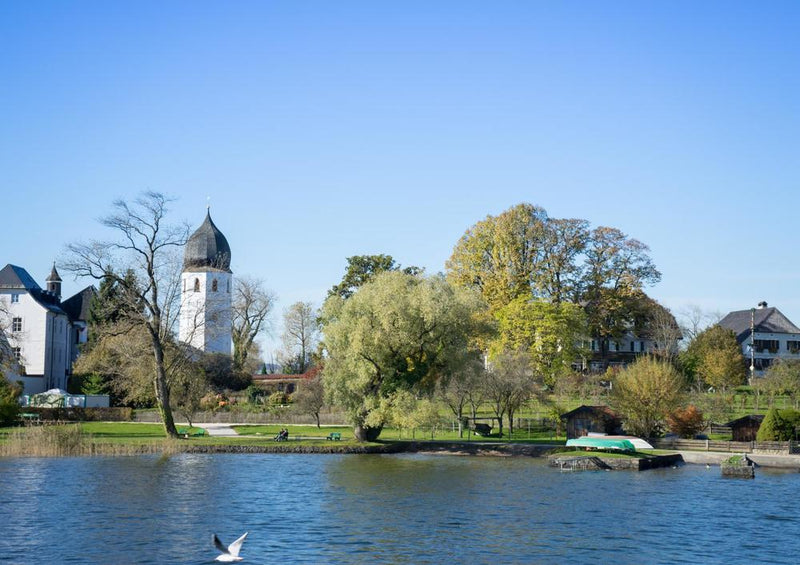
point(410, 509)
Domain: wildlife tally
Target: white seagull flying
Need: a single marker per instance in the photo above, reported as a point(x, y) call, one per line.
point(230, 553)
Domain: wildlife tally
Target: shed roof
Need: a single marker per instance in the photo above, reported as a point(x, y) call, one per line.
point(603, 410)
point(750, 418)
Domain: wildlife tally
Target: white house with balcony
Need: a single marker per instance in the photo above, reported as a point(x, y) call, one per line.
point(765, 335)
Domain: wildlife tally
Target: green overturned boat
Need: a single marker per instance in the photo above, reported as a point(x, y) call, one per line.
point(601, 443)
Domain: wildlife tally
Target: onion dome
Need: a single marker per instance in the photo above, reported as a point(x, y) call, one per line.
point(207, 248)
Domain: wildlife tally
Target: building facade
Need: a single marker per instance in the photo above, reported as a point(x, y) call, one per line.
point(40, 337)
point(206, 291)
point(765, 336)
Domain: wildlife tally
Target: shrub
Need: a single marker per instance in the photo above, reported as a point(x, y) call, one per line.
point(686, 422)
point(278, 398)
point(771, 428)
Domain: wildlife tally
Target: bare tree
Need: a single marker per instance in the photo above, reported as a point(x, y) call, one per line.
point(508, 384)
point(148, 246)
point(694, 320)
point(252, 303)
point(300, 335)
point(458, 389)
point(664, 331)
point(310, 397)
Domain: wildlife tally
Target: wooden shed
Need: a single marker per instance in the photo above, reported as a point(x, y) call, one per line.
point(594, 419)
point(746, 427)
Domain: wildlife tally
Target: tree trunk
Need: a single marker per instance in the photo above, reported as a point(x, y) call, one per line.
point(366, 433)
point(162, 390)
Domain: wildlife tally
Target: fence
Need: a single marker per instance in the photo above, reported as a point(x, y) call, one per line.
point(783, 447)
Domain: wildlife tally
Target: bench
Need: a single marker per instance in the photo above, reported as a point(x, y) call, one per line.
point(31, 418)
point(334, 436)
point(187, 432)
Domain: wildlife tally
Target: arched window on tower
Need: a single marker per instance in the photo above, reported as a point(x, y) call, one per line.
point(229, 286)
point(214, 285)
point(197, 285)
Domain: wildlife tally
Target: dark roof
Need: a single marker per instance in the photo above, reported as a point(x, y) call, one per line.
point(54, 277)
point(746, 420)
point(604, 411)
point(12, 276)
point(207, 248)
point(765, 320)
point(77, 307)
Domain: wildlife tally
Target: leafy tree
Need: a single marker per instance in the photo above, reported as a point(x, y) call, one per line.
point(146, 245)
point(715, 358)
point(124, 361)
point(252, 304)
point(361, 269)
point(188, 389)
point(300, 336)
point(310, 397)
point(549, 333)
point(644, 393)
point(113, 306)
point(9, 401)
point(686, 422)
point(397, 332)
point(783, 377)
point(501, 256)
point(218, 369)
point(617, 269)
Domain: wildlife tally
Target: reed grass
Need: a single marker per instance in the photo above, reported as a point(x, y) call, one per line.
point(68, 440)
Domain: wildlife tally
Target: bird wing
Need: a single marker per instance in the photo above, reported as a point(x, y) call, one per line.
point(234, 548)
point(218, 545)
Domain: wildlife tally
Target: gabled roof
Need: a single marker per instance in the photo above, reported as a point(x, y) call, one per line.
point(765, 320)
point(77, 307)
point(601, 410)
point(745, 420)
point(14, 277)
point(17, 278)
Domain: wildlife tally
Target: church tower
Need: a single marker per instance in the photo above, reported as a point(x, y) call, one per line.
point(54, 282)
point(206, 287)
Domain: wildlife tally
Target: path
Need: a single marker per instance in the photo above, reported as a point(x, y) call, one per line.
point(219, 430)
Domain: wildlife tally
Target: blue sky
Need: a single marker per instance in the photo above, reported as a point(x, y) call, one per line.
point(322, 130)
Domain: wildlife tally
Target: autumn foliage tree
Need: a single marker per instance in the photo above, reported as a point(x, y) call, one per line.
point(686, 422)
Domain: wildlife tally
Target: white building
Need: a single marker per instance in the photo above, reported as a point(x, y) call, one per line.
point(206, 291)
point(38, 332)
point(773, 335)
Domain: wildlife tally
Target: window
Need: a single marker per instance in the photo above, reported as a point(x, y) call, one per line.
point(14, 298)
point(214, 285)
point(633, 347)
point(16, 324)
point(17, 353)
point(766, 345)
point(793, 346)
point(197, 285)
point(229, 286)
